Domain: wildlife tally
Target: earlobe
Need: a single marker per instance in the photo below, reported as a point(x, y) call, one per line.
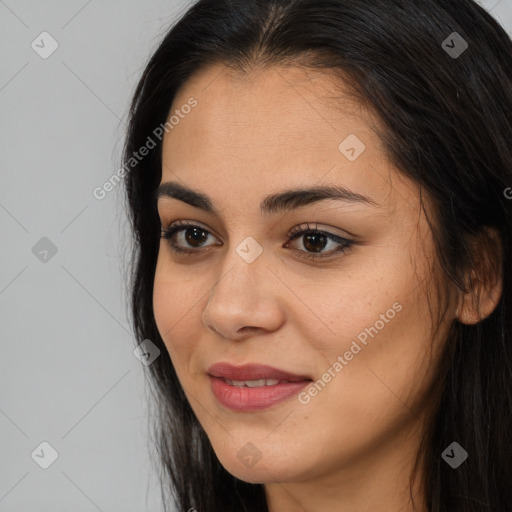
point(485, 287)
point(478, 304)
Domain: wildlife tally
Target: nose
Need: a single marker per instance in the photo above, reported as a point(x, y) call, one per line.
point(245, 300)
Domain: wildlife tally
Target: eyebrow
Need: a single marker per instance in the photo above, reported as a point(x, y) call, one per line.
point(274, 203)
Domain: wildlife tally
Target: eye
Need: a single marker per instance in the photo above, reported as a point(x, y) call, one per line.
point(189, 233)
point(315, 240)
point(193, 237)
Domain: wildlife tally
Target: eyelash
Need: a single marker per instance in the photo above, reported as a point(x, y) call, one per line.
point(296, 232)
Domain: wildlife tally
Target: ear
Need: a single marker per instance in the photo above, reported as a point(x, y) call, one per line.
point(484, 282)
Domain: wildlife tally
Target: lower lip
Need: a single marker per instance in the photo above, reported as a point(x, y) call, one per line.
point(253, 399)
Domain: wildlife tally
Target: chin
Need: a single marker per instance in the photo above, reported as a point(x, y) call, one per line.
point(261, 472)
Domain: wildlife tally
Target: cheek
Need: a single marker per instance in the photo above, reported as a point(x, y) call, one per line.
point(164, 307)
point(361, 309)
point(392, 369)
point(174, 304)
point(380, 328)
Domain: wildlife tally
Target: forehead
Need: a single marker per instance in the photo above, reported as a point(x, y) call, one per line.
point(271, 129)
point(288, 101)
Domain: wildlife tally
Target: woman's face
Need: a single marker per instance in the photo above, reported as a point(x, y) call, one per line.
point(355, 322)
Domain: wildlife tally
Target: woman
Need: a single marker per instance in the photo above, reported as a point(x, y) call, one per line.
point(320, 199)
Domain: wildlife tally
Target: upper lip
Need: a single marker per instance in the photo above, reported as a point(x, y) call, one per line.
point(252, 371)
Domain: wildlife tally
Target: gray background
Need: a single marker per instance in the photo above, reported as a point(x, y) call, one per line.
point(68, 373)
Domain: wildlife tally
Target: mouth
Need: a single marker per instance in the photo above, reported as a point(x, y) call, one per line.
point(256, 383)
point(253, 387)
point(252, 373)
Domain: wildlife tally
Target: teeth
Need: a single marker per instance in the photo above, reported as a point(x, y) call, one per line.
point(253, 383)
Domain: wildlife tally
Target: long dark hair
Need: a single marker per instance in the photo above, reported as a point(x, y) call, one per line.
point(447, 122)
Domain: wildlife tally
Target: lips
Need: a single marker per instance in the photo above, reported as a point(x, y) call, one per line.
point(253, 372)
point(253, 387)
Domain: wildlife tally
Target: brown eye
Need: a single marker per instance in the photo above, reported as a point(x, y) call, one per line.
point(195, 236)
point(185, 237)
point(314, 241)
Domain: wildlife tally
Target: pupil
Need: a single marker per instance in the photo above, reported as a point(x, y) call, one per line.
point(314, 237)
point(191, 239)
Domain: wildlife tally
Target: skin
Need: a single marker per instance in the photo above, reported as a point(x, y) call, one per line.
point(354, 444)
